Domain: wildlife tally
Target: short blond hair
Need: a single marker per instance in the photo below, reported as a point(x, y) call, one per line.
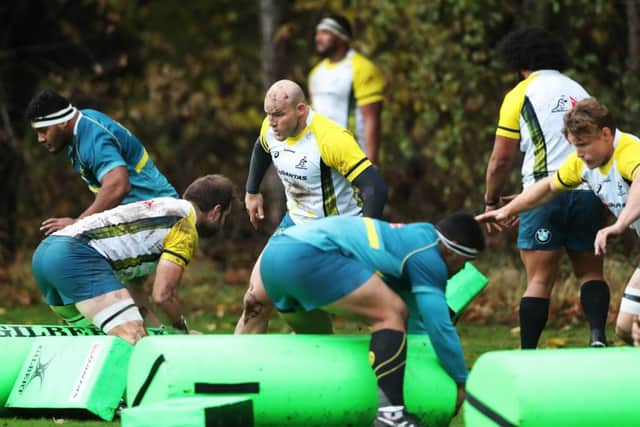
point(587, 118)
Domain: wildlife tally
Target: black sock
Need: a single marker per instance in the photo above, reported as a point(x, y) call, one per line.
point(594, 298)
point(533, 318)
point(388, 355)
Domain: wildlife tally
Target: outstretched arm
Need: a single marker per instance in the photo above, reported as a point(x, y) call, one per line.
point(114, 188)
point(373, 192)
point(538, 194)
point(434, 312)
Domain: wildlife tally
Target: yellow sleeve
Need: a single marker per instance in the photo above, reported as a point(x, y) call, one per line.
point(368, 81)
point(509, 121)
point(569, 174)
point(338, 148)
point(181, 241)
point(263, 132)
point(627, 156)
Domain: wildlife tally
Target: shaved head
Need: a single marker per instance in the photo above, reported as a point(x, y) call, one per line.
point(286, 109)
point(285, 91)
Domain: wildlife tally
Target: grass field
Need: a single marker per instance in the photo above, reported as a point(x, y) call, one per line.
point(213, 301)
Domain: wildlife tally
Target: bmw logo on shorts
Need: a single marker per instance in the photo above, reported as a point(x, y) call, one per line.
point(543, 235)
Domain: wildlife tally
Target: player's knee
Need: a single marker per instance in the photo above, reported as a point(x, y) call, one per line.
point(255, 301)
point(123, 312)
point(397, 311)
point(131, 332)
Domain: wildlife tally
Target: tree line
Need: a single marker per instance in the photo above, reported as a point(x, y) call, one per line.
point(189, 81)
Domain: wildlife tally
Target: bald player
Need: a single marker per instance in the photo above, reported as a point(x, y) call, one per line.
point(324, 173)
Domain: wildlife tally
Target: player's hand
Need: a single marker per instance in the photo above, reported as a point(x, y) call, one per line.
point(491, 227)
point(600, 244)
point(52, 225)
point(253, 203)
point(462, 395)
point(499, 218)
point(635, 331)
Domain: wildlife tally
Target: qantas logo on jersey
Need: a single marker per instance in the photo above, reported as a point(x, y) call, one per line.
point(148, 203)
point(291, 175)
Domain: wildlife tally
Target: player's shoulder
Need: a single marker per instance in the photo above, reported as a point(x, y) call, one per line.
point(325, 129)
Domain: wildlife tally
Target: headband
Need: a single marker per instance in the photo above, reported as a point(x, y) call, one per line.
point(463, 250)
point(54, 118)
point(334, 27)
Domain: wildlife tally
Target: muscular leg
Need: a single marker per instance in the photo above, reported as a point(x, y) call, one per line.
point(116, 314)
point(257, 306)
point(141, 296)
point(594, 294)
point(629, 308)
point(542, 269)
point(387, 315)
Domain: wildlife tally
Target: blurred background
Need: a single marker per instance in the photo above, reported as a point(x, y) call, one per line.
point(188, 78)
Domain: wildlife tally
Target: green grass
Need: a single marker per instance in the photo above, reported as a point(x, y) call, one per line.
point(213, 303)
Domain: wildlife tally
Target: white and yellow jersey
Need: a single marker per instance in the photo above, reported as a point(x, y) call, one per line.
point(611, 181)
point(336, 88)
point(316, 168)
point(533, 112)
point(133, 237)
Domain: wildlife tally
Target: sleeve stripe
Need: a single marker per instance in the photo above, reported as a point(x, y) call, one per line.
point(177, 255)
point(364, 159)
point(561, 181)
point(633, 171)
point(509, 129)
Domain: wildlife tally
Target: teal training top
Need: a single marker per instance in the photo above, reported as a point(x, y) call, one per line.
point(408, 258)
point(101, 144)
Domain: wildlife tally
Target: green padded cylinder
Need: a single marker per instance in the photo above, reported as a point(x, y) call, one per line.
point(573, 387)
point(192, 412)
point(292, 379)
point(14, 352)
point(463, 287)
point(71, 375)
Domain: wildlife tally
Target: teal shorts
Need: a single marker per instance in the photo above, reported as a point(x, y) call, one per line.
point(299, 276)
point(569, 221)
point(68, 271)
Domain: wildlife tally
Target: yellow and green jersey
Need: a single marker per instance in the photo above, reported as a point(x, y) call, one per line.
point(133, 237)
point(316, 168)
point(338, 88)
point(611, 181)
point(532, 113)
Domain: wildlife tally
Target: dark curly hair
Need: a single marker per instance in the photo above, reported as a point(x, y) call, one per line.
point(533, 49)
point(45, 102)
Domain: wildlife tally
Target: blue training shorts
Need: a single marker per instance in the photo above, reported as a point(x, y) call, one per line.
point(570, 221)
point(299, 275)
point(69, 271)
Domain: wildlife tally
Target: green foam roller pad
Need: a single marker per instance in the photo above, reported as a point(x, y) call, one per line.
point(292, 379)
point(77, 375)
point(569, 388)
point(463, 287)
